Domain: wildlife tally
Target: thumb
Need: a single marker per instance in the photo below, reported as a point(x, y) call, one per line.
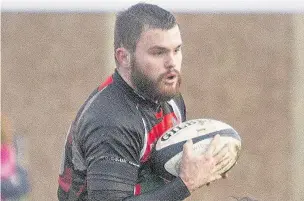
point(188, 146)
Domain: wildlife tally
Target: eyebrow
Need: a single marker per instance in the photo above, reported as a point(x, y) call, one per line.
point(157, 47)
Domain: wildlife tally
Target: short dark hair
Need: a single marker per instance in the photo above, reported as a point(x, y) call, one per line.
point(132, 22)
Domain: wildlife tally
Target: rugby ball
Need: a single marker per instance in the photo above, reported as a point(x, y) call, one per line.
point(167, 152)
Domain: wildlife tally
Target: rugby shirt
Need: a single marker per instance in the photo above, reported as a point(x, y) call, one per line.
point(109, 144)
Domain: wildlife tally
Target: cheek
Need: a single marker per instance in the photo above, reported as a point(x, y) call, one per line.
point(152, 67)
point(179, 62)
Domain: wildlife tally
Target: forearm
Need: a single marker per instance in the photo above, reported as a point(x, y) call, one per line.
point(175, 190)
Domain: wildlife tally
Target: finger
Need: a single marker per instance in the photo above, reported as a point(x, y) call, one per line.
point(231, 164)
point(224, 153)
point(221, 153)
point(232, 150)
point(221, 167)
point(222, 159)
point(188, 148)
point(213, 145)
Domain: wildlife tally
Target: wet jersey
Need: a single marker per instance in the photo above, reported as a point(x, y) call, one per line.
point(109, 143)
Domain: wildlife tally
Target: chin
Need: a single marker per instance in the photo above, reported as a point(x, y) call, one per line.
point(168, 95)
point(167, 92)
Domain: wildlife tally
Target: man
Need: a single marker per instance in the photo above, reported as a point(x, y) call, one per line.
point(109, 143)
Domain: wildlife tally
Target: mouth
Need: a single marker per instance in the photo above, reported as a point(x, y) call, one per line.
point(170, 78)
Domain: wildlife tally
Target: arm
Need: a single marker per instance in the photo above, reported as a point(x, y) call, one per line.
point(113, 168)
point(175, 190)
point(113, 163)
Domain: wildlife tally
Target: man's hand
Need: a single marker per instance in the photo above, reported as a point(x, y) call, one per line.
point(196, 171)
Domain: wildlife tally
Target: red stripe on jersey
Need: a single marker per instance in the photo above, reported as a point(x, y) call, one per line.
point(137, 189)
point(156, 132)
point(159, 114)
point(81, 189)
point(65, 180)
point(108, 81)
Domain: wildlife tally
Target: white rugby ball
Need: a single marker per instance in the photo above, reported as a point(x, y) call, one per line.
point(167, 153)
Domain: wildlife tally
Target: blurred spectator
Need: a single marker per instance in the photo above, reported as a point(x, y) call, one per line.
point(14, 179)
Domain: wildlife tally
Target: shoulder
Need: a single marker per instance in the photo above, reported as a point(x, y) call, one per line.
point(109, 108)
point(109, 119)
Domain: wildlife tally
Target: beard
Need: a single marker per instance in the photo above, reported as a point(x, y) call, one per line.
point(156, 90)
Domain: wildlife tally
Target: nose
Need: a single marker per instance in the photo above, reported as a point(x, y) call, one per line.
point(170, 61)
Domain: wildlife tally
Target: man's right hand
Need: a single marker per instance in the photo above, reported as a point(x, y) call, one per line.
point(196, 171)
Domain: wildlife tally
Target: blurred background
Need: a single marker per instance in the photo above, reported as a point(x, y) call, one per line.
point(243, 64)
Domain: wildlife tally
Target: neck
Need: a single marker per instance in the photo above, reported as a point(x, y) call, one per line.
point(126, 76)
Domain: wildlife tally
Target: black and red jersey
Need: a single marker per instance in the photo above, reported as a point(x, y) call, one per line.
point(109, 144)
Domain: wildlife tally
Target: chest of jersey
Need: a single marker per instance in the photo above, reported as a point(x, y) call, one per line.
point(157, 122)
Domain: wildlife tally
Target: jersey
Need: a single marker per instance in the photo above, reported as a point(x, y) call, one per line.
point(109, 144)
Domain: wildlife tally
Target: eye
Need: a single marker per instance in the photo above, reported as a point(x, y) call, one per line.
point(177, 49)
point(158, 52)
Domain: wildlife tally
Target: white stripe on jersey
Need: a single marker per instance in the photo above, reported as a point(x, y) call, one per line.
point(176, 111)
point(142, 152)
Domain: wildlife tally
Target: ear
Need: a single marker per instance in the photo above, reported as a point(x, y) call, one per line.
point(122, 56)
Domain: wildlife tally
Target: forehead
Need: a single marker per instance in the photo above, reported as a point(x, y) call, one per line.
point(170, 38)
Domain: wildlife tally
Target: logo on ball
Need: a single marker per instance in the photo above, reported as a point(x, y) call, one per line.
point(176, 129)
